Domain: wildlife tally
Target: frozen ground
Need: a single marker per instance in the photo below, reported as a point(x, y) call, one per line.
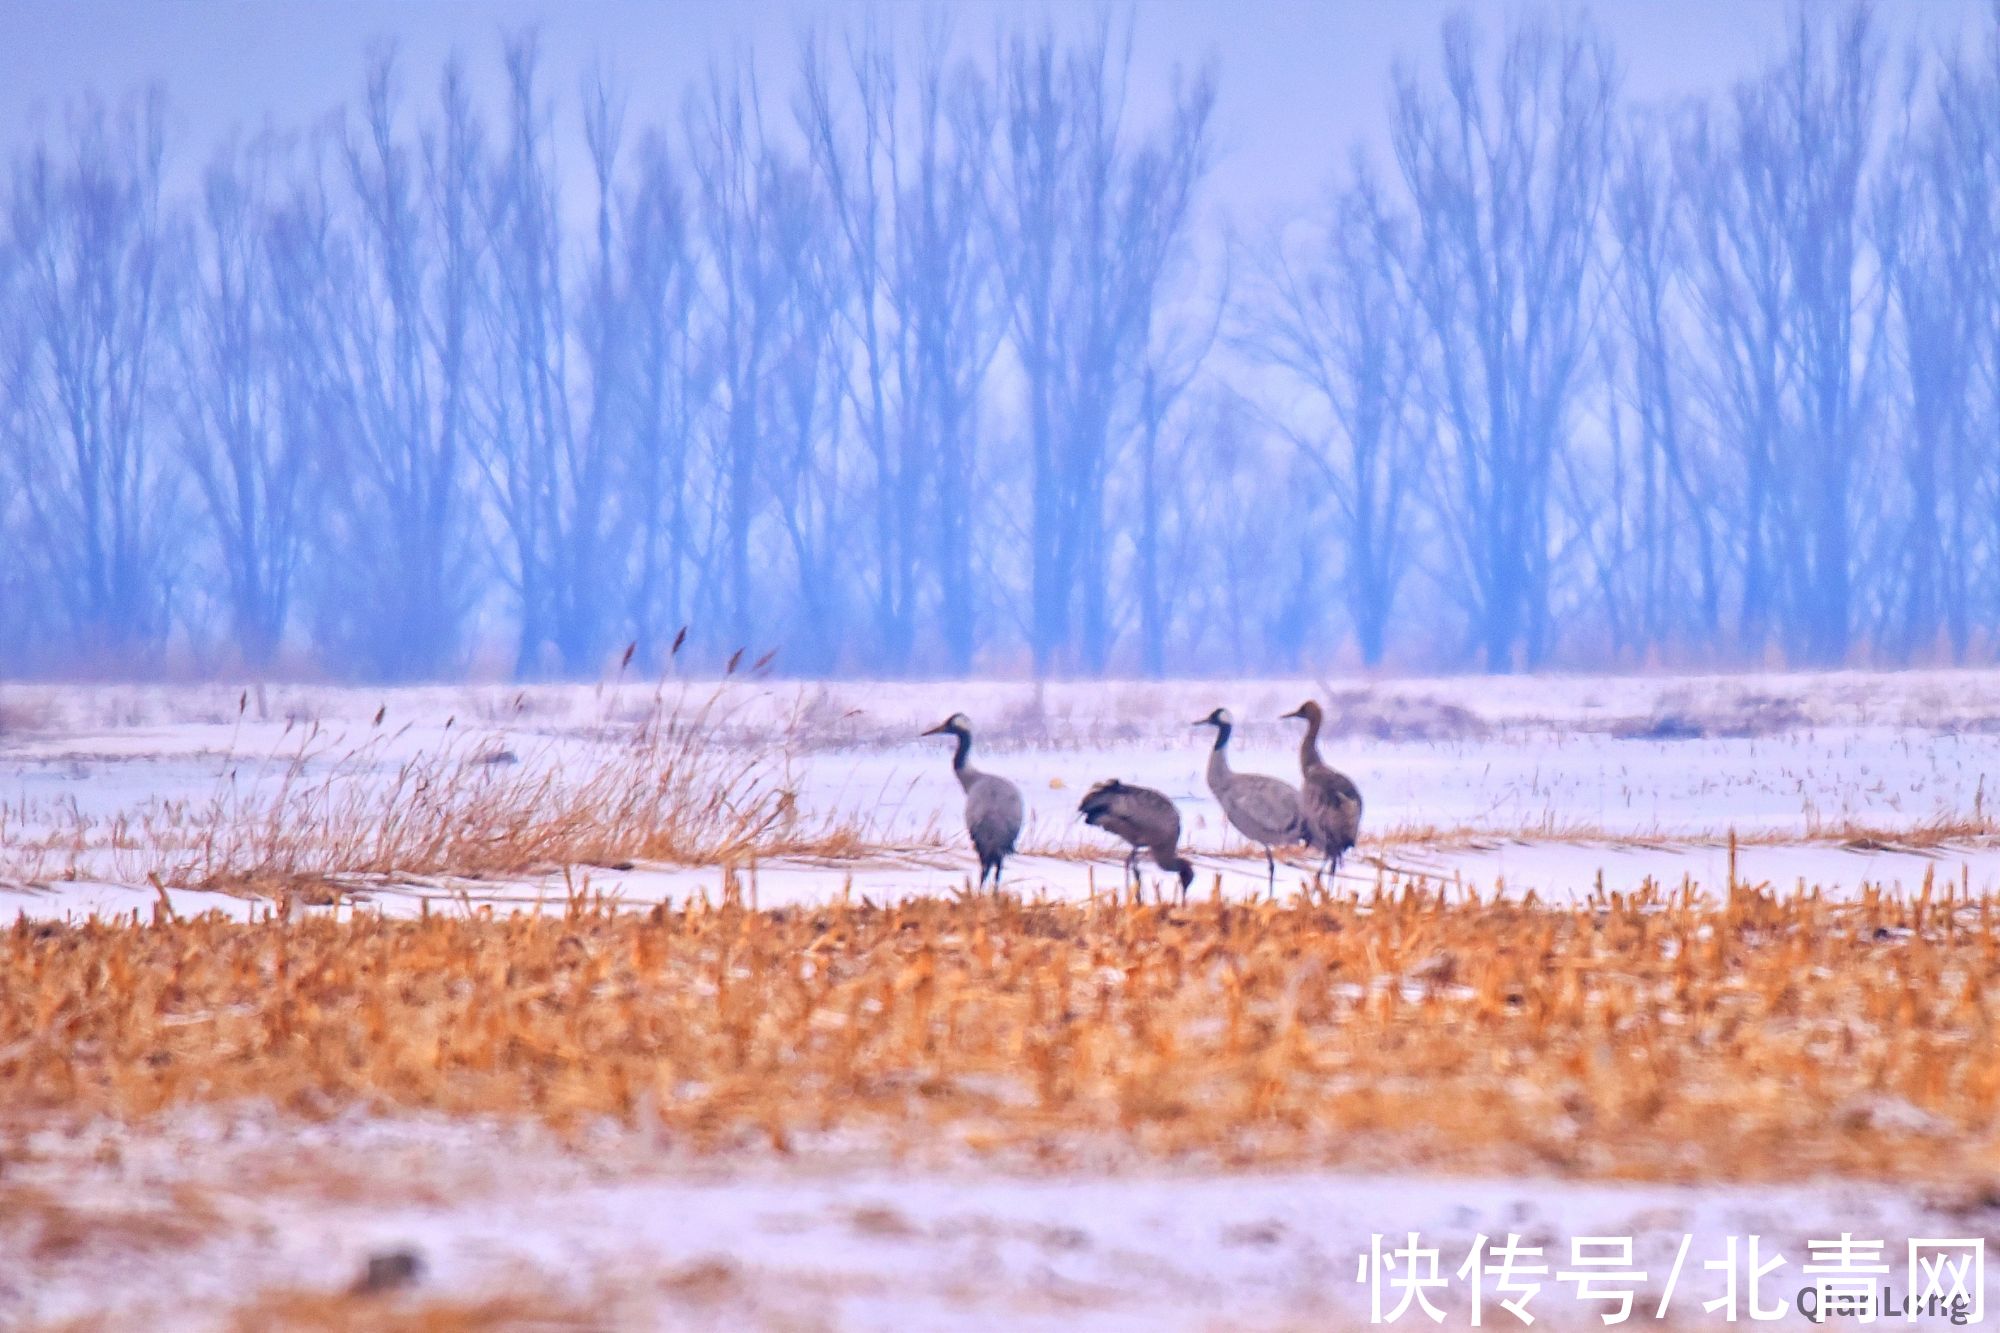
point(244, 1215)
point(1544, 784)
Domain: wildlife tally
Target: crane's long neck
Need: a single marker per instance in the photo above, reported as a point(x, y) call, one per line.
point(1309, 746)
point(962, 754)
point(1218, 758)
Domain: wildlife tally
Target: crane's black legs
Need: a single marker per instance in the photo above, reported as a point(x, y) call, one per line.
point(1271, 869)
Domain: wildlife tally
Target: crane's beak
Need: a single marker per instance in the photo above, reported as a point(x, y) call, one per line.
point(1294, 713)
point(1202, 722)
point(938, 730)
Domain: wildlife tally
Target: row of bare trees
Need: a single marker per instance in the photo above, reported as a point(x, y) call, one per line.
point(1710, 383)
point(932, 359)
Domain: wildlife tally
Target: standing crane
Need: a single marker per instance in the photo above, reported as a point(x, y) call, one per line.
point(1263, 809)
point(992, 804)
point(1143, 817)
point(1328, 798)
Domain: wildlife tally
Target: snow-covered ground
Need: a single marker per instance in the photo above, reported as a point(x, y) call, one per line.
point(621, 1233)
point(1542, 783)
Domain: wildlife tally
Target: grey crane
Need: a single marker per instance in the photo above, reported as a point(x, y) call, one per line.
point(1263, 809)
point(1143, 817)
point(992, 804)
point(1328, 798)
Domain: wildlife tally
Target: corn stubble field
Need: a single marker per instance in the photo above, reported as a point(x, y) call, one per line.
point(1684, 1040)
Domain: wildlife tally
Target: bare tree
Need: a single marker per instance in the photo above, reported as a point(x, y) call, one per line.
point(550, 443)
point(1087, 220)
point(1675, 549)
point(1791, 344)
point(90, 239)
point(1245, 584)
point(902, 167)
point(1335, 314)
point(946, 293)
point(1827, 106)
point(734, 168)
point(1176, 351)
point(247, 452)
point(1934, 226)
point(669, 385)
point(859, 173)
point(395, 325)
point(807, 415)
point(1506, 184)
point(20, 614)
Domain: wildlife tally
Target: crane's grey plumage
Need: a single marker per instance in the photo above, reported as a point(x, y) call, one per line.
point(992, 804)
point(1143, 817)
point(1328, 798)
point(1263, 809)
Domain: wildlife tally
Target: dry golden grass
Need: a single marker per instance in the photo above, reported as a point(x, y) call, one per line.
point(1941, 830)
point(1757, 1038)
point(664, 792)
point(656, 783)
point(318, 1312)
point(1928, 833)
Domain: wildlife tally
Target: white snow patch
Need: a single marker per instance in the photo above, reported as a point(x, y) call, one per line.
point(843, 1242)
